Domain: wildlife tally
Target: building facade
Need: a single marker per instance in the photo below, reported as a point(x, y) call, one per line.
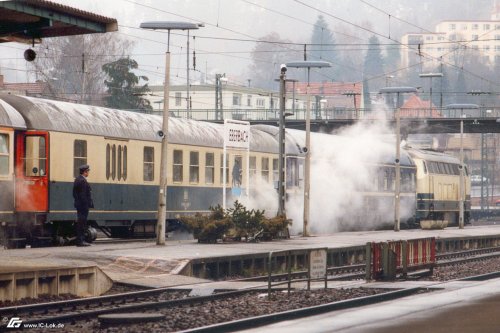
point(479, 39)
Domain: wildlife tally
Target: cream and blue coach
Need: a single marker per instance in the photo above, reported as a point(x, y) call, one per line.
point(123, 150)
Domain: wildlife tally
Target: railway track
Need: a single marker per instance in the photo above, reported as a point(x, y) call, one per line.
point(78, 310)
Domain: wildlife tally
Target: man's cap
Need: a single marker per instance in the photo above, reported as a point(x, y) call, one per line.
point(84, 167)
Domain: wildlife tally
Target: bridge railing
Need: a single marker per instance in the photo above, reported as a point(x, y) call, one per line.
point(329, 114)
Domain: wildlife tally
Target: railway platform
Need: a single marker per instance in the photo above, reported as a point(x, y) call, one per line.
point(146, 264)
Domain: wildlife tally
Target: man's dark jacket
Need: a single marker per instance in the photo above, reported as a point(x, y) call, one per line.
point(82, 193)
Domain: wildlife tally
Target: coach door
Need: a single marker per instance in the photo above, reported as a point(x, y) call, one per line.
point(32, 171)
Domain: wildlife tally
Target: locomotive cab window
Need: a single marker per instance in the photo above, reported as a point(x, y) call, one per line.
point(4, 154)
point(35, 158)
point(79, 155)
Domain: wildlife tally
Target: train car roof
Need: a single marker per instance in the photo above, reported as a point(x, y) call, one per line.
point(430, 155)
point(293, 144)
point(49, 115)
point(342, 141)
point(9, 117)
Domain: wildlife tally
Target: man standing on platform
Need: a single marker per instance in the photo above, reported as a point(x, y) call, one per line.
point(82, 193)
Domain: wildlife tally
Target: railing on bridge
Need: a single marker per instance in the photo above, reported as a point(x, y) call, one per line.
point(331, 114)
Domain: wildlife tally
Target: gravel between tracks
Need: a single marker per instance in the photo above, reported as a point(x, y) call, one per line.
point(223, 310)
point(255, 304)
point(459, 271)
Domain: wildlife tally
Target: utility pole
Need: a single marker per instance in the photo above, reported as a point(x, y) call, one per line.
point(307, 149)
point(485, 155)
point(83, 79)
point(461, 184)
point(397, 163)
point(161, 223)
point(353, 94)
point(430, 76)
point(281, 161)
point(218, 96)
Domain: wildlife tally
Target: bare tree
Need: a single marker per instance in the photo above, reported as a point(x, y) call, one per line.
point(269, 52)
point(72, 66)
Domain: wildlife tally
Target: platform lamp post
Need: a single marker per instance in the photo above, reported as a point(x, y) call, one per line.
point(307, 168)
point(397, 162)
point(162, 193)
point(430, 76)
point(461, 183)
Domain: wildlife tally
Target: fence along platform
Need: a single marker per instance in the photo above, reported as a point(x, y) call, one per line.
point(385, 260)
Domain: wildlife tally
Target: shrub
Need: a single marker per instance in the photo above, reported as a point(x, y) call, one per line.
point(235, 222)
point(246, 222)
point(276, 227)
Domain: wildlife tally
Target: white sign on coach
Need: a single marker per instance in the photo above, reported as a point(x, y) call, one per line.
point(236, 136)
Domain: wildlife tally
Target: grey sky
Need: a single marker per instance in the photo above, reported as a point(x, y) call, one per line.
point(247, 19)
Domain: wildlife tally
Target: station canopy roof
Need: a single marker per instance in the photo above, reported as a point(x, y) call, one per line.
point(27, 21)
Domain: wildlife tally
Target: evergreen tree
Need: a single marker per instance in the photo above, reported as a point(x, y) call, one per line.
point(267, 56)
point(123, 87)
point(324, 49)
point(392, 58)
point(374, 63)
point(366, 96)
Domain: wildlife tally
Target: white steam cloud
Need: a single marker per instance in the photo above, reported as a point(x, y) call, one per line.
point(342, 166)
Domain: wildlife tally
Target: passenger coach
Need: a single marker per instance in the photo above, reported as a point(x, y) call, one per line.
point(123, 150)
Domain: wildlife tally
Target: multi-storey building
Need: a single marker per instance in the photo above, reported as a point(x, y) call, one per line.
point(455, 38)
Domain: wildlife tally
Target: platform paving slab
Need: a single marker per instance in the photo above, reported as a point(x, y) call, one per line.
point(141, 260)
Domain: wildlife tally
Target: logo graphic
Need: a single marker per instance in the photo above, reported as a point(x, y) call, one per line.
point(14, 322)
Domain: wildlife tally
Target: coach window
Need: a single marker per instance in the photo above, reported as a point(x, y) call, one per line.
point(119, 162)
point(275, 170)
point(108, 161)
point(253, 166)
point(113, 162)
point(124, 163)
point(4, 154)
point(35, 156)
point(222, 168)
point(178, 166)
point(194, 167)
point(148, 164)
point(209, 168)
point(265, 168)
point(386, 180)
point(79, 155)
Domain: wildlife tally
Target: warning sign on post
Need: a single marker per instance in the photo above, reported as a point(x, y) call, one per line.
point(317, 264)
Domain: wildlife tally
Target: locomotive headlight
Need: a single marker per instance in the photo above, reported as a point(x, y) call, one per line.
point(305, 150)
point(161, 134)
